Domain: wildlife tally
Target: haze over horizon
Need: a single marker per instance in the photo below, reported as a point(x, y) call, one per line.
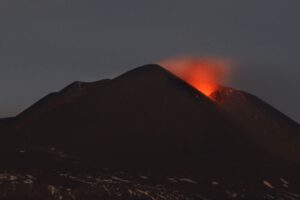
point(46, 45)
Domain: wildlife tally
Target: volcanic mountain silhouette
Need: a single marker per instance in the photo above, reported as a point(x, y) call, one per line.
point(144, 114)
point(148, 118)
point(148, 113)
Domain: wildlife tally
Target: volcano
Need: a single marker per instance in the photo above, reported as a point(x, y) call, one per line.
point(148, 134)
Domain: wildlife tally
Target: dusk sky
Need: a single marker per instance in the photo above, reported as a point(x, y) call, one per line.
point(47, 44)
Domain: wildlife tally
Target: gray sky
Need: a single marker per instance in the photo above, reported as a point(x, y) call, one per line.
point(46, 44)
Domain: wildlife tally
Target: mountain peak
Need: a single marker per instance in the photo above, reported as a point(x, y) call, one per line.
point(155, 68)
point(151, 70)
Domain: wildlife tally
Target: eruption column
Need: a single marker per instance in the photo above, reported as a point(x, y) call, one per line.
point(205, 74)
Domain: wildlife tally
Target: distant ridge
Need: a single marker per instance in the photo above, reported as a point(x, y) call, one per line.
point(56, 99)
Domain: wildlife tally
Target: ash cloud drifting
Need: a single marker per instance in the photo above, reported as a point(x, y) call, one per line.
point(203, 73)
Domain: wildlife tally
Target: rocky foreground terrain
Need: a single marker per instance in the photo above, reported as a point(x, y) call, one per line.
point(74, 181)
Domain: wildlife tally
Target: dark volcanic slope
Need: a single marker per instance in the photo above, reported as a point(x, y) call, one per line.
point(160, 139)
point(5, 123)
point(146, 115)
point(57, 99)
point(261, 123)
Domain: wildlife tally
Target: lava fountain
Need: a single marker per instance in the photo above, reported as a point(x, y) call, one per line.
point(205, 74)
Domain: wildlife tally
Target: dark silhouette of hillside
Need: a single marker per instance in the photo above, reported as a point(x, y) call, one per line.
point(144, 115)
point(150, 120)
point(261, 123)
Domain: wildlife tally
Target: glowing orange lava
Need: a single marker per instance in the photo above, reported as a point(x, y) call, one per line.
point(205, 74)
